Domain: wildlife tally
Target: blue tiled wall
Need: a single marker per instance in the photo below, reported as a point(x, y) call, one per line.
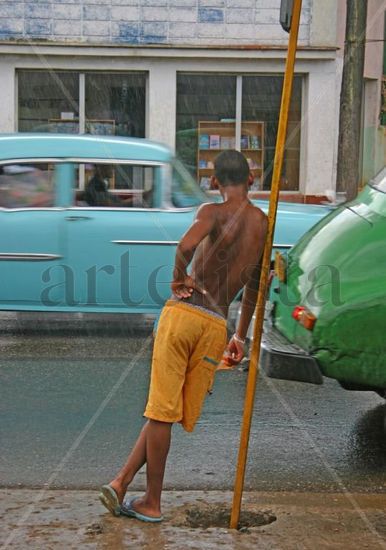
point(194, 22)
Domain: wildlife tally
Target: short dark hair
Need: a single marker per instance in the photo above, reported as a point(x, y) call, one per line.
point(231, 168)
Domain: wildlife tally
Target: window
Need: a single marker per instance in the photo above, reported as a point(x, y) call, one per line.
point(216, 112)
point(379, 181)
point(261, 101)
point(47, 97)
point(119, 98)
point(114, 104)
point(135, 187)
point(204, 97)
point(185, 191)
point(26, 186)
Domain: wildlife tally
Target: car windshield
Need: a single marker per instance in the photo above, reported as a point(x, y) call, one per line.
point(185, 191)
point(379, 182)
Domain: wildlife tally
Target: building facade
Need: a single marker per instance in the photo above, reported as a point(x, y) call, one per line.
point(198, 75)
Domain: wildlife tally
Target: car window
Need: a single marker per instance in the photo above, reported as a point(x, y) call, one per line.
point(114, 185)
point(26, 185)
point(379, 182)
point(185, 191)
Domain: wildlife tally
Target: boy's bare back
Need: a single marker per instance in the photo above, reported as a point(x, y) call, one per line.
point(228, 256)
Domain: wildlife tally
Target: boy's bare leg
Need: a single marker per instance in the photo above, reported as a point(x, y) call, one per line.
point(152, 446)
point(135, 461)
point(158, 435)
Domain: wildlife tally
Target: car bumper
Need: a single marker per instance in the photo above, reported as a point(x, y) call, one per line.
point(284, 360)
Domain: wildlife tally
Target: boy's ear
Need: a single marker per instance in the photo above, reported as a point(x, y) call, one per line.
point(250, 179)
point(214, 184)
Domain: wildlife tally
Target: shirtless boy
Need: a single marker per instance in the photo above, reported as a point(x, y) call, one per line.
point(224, 247)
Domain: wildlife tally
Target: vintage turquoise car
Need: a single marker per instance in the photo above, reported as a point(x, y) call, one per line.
point(329, 314)
point(90, 224)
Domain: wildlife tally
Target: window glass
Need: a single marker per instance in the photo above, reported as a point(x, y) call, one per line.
point(135, 190)
point(261, 102)
point(202, 99)
point(115, 104)
point(206, 125)
point(185, 191)
point(26, 186)
point(48, 101)
point(379, 182)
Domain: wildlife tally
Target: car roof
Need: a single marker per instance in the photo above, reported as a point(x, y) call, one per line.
point(62, 146)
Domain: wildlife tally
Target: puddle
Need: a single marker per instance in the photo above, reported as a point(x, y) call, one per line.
point(219, 516)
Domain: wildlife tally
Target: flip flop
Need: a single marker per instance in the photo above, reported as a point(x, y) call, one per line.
point(128, 510)
point(109, 499)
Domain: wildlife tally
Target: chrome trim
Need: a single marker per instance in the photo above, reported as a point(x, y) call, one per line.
point(31, 257)
point(158, 243)
point(82, 160)
point(174, 243)
point(131, 209)
point(33, 209)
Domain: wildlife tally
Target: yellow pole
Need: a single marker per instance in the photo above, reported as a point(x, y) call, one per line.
point(263, 286)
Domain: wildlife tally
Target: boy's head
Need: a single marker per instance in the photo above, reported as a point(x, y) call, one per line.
point(230, 168)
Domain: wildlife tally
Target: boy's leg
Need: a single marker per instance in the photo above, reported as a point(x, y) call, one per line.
point(135, 461)
point(158, 436)
point(152, 446)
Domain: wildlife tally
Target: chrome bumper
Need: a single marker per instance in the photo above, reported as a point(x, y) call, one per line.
point(281, 359)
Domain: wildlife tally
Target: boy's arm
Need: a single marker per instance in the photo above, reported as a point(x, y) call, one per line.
point(235, 348)
point(182, 284)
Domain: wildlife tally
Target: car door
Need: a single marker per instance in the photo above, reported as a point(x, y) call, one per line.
point(31, 247)
point(121, 248)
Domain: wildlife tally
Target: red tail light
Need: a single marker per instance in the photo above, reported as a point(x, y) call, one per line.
point(304, 317)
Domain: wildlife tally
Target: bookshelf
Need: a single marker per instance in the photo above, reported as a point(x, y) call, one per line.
point(217, 136)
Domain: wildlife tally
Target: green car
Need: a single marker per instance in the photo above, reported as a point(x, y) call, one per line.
point(329, 299)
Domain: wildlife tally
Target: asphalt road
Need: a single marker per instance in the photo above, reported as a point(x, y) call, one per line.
point(72, 395)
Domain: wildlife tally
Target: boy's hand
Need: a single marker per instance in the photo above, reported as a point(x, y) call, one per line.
point(185, 287)
point(234, 352)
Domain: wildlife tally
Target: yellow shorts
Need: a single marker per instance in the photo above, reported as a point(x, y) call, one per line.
point(188, 346)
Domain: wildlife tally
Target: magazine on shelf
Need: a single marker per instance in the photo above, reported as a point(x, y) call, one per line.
point(204, 141)
point(214, 141)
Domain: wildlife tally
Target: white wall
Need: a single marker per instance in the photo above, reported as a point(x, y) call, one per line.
point(8, 96)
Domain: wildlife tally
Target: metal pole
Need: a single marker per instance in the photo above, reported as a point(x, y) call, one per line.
point(263, 286)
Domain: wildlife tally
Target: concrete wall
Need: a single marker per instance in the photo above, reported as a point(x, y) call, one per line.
point(374, 142)
point(373, 135)
point(220, 22)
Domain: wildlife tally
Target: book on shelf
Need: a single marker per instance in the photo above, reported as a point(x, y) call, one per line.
point(204, 141)
point(202, 163)
point(225, 142)
point(214, 141)
point(254, 142)
point(244, 142)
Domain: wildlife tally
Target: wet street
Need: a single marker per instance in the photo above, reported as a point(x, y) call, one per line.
point(73, 392)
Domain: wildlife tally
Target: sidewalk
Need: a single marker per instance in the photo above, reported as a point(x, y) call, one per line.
point(56, 519)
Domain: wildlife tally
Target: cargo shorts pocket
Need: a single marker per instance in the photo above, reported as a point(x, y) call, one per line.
point(210, 365)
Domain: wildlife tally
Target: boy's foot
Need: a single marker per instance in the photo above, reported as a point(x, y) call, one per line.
point(109, 499)
point(118, 489)
point(136, 508)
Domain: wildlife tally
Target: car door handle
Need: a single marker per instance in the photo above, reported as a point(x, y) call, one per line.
point(77, 218)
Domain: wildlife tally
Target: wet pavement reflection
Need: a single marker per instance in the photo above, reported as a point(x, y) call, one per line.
point(73, 392)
